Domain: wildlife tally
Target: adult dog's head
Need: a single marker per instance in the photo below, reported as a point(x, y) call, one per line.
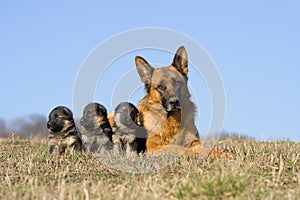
point(60, 119)
point(166, 85)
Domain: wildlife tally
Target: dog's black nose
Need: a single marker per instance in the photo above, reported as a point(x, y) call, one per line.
point(48, 125)
point(174, 102)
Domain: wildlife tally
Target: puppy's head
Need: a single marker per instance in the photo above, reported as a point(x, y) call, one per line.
point(60, 118)
point(94, 115)
point(126, 116)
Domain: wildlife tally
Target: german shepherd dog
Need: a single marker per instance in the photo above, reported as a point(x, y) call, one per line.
point(166, 111)
point(63, 135)
point(96, 130)
point(128, 136)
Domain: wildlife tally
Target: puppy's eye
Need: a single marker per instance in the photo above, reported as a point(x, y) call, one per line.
point(90, 115)
point(161, 88)
point(58, 117)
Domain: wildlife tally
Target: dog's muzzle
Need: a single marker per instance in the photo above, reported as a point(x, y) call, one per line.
point(174, 104)
point(48, 125)
point(54, 127)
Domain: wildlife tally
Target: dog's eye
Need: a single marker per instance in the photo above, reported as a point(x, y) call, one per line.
point(59, 117)
point(161, 88)
point(90, 115)
point(176, 82)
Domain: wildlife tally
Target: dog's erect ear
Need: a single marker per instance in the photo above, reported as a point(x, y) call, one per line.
point(102, 110)
point(180, 61)
point(68, 112)
point(144, 69)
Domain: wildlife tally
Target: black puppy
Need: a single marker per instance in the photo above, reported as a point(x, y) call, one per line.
point(63, 134)
point(128, 135)
point(96, 130)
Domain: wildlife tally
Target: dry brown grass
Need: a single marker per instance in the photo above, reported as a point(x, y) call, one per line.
point(259, 170)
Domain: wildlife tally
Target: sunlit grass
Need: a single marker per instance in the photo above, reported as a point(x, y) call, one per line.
point(258, 170)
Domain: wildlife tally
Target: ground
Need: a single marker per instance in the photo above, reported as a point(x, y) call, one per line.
point(258, 170)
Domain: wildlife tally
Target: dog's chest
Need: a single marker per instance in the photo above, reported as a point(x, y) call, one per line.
point(171, 127)
point(164, 125)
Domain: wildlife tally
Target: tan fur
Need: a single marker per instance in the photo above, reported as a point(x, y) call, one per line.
point(168, 131)
point(163, 127)
point(171, 130)
point(110, 117)
point(67, 142)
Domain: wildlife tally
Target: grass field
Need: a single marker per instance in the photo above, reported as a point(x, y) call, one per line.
point(259, 170)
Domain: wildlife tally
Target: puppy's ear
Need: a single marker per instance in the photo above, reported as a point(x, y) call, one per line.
point(102, 110)
point(180, 61)
point(134, 112)
point(68, 112)
point(144, 69)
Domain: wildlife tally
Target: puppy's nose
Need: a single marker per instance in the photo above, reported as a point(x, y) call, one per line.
point(173, 101)
point(48, 125)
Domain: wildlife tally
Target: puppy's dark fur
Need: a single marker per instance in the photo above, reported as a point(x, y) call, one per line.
point(63, 134)
point(96, 130)
point(128, 135)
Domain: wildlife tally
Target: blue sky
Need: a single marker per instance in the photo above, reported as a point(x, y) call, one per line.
point(255, 46)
